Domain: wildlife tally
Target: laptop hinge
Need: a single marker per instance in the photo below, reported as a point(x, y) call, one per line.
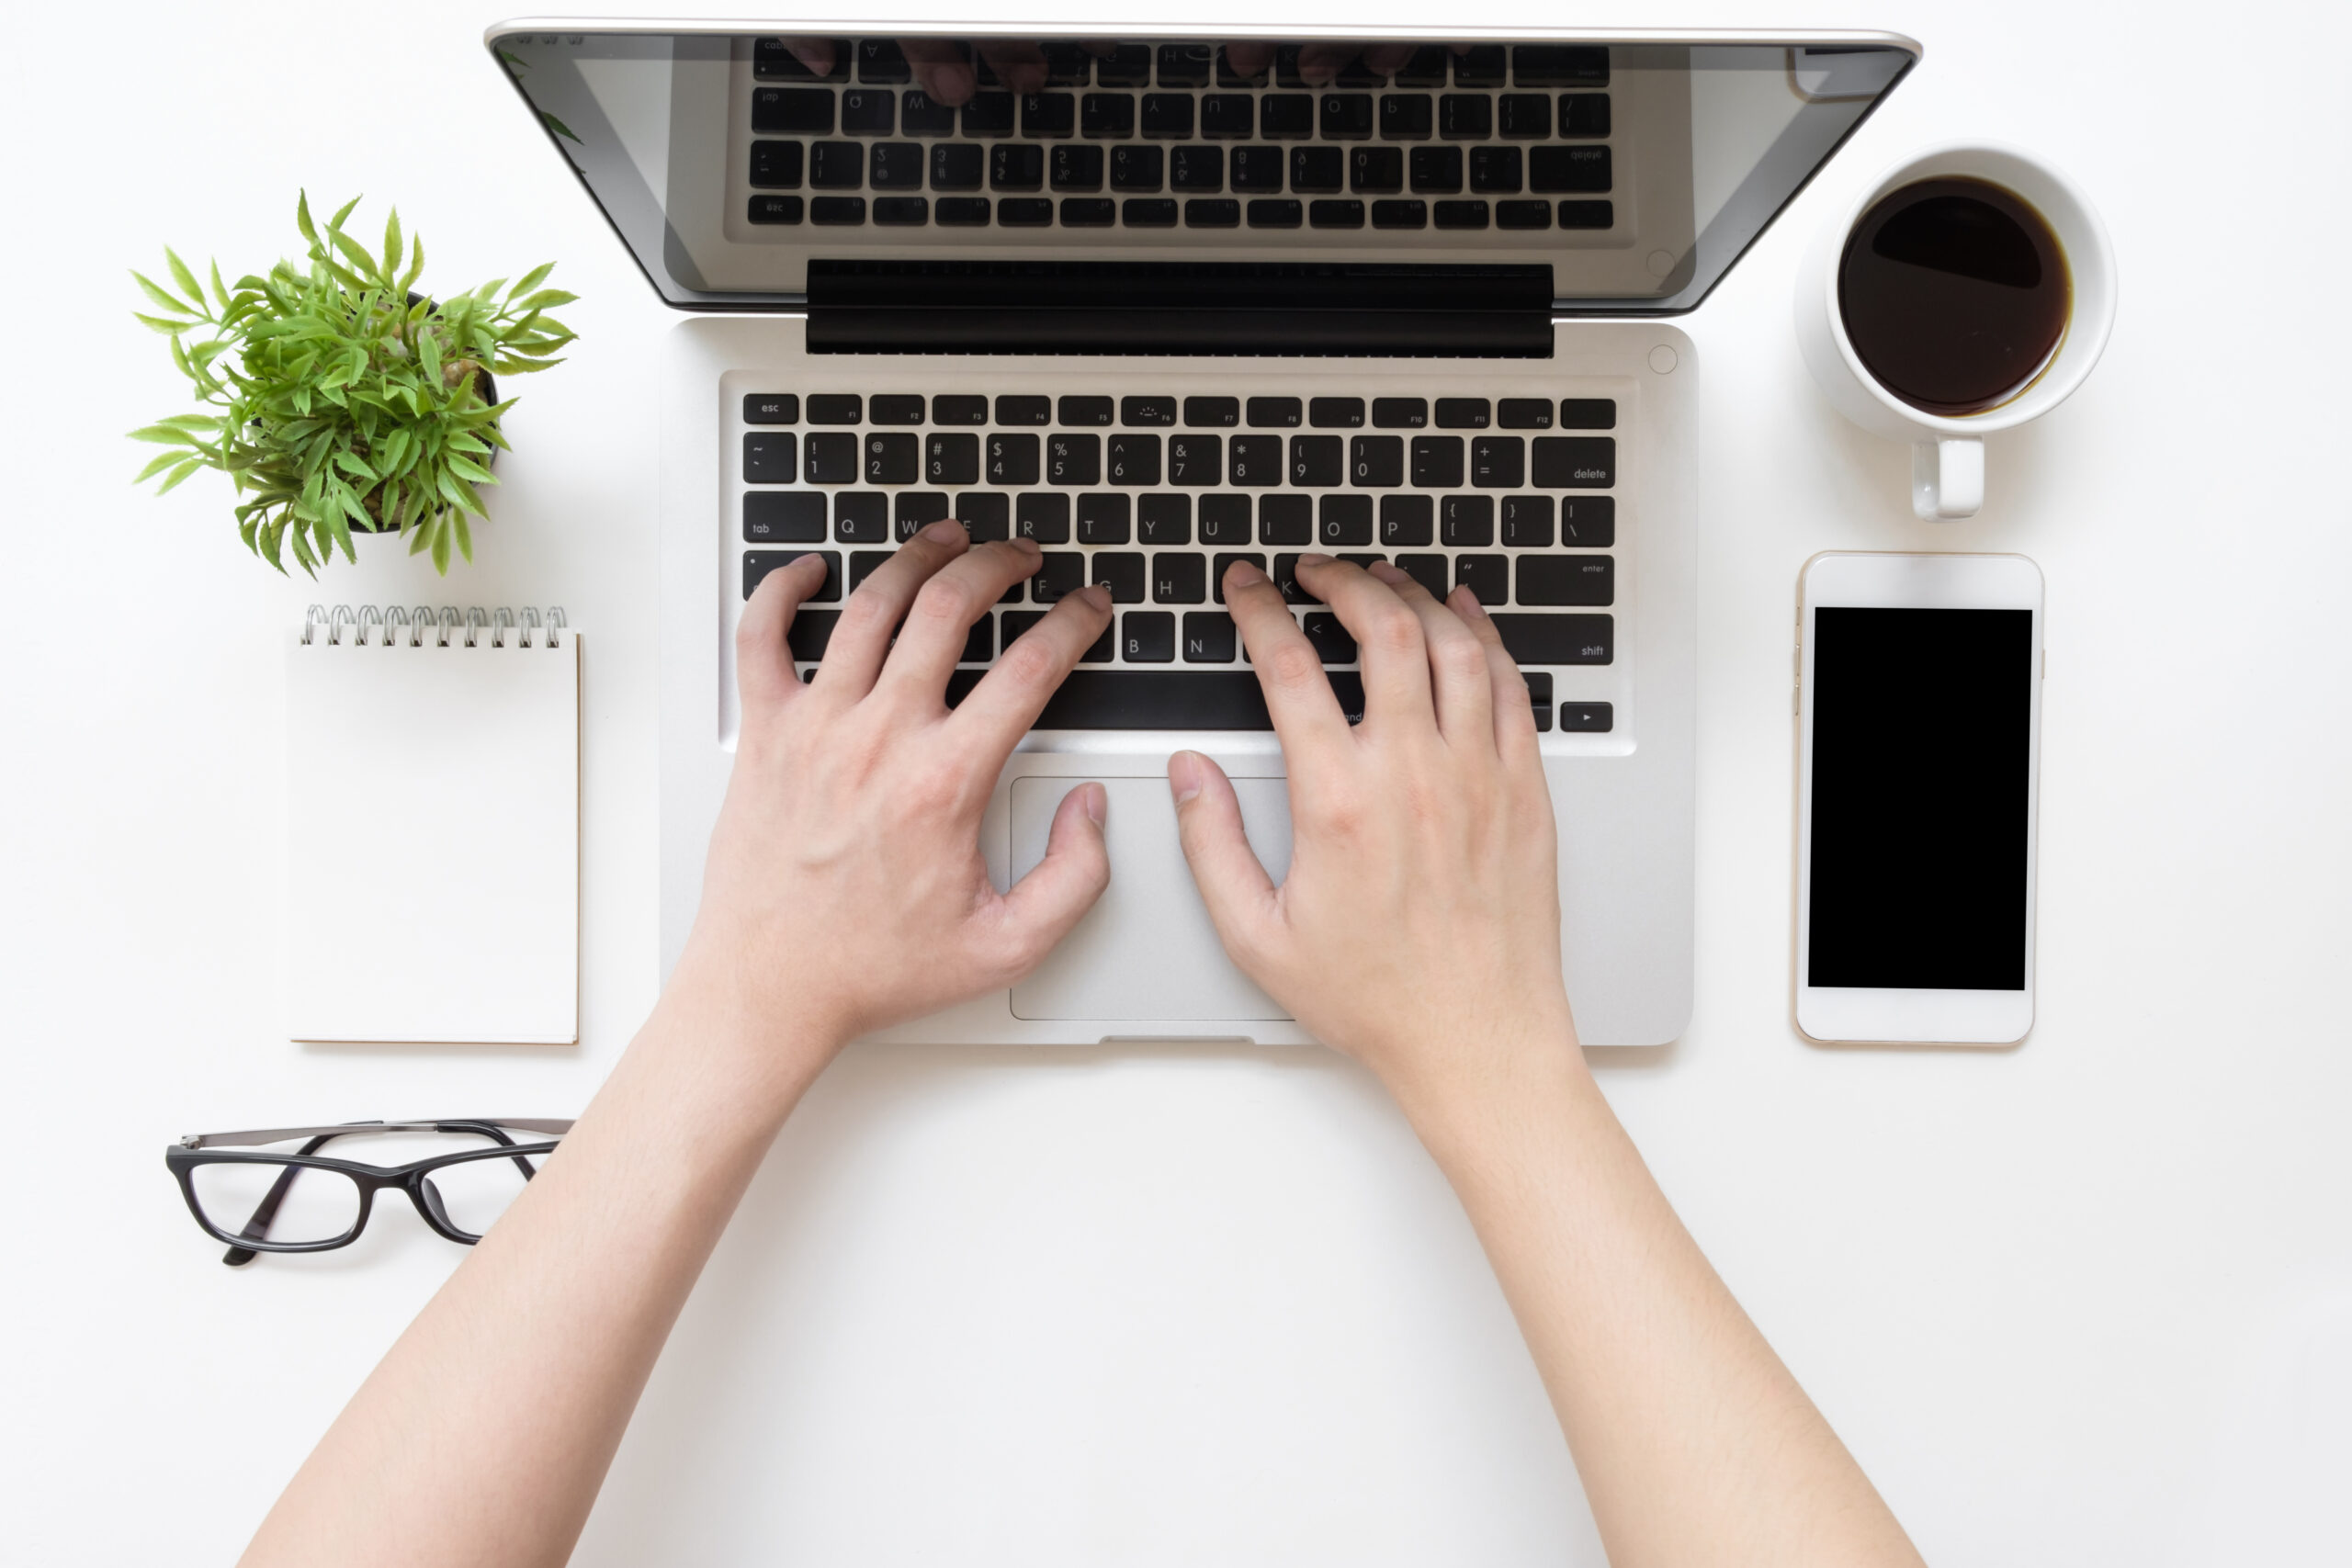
point(1180, 308)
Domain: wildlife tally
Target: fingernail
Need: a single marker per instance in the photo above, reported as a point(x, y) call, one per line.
point(1095, 801)
point(1185, 775)
point(945, 529)
point(1466, 602)
point(1097, 596)
point(1314, 558)
point(1028, 547)
point(1241, 574)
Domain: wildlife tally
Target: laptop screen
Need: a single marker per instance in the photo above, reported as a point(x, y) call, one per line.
point(1636, 171)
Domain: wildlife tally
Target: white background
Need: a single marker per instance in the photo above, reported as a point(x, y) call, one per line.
point(2090, 1300)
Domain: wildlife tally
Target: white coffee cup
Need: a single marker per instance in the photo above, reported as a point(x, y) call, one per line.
point(1947, 451)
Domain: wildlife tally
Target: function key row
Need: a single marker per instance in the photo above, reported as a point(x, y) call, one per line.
point(1498, 170)
point(881, 62)
point(1069, 458)
point(1197, 413)
point(1181, 117)
point(1215, 213)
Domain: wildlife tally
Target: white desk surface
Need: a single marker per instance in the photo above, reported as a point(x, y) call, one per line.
point(2090, 1300)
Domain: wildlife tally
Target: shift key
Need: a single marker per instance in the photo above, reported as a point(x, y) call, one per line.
point(1557, 639)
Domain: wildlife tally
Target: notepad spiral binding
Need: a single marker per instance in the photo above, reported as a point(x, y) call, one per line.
point(392, 627)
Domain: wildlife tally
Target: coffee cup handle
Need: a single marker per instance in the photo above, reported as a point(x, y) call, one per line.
point(1947, 478)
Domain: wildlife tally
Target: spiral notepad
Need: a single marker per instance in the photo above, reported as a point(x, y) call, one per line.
point(433, 820)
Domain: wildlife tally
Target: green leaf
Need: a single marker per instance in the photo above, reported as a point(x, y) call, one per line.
point(465, 536)
point(185, 278)
point(391, 244)
point(165, 436)
point(467, 469)
point(159, 295)
point(161, 325)
point(303, 222)
point(415, 268)
point(532, 279)
point(335, 224)
point(546, 298)
point(161, 460)
point(441, 550)
point(560, 128)
point(185, 468)
point(219, 293)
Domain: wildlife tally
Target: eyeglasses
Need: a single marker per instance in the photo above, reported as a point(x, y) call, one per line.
point(305, 1202)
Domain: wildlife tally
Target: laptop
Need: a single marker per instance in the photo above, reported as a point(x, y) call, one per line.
point(1162, 302)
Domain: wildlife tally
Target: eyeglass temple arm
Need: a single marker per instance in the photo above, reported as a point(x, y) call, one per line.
point(491, 1130)
point(257, 1228)
point(280, 1134)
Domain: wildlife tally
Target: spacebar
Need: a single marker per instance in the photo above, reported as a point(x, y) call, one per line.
point(1163, 699)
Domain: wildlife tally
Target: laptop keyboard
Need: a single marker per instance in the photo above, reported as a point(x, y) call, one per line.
point(1153, 493)
point(1168, 136)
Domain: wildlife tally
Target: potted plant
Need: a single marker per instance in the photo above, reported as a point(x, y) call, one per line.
point(346, 400)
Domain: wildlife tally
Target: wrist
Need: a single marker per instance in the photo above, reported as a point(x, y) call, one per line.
point(1480, 1107)
point(751, 1040)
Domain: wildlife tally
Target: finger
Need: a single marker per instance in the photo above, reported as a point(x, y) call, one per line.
point(940, 621)
point(861, 637)
point(1389, 646)
point(1319, 62)
point(1387, 59)
point(1009, 698)
point(1233, 882)
point(1042, 907)
point(1298, 694)
point(942, 69)
point(1249, 58)
point(1463, 687)
point(763, 670)
point(817, 53)
point(1514, 718)
point(1020, 66)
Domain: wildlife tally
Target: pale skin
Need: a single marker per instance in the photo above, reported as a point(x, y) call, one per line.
point(851, 827)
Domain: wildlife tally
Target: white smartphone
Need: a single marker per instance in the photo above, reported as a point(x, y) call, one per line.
point(1918, 711)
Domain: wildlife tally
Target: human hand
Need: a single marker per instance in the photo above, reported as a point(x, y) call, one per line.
point(844, 889)
point(1419, 928)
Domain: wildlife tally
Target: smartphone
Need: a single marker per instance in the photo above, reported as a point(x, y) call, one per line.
point(1918, 711)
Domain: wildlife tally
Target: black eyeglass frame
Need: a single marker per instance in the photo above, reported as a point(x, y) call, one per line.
point(184, 1157)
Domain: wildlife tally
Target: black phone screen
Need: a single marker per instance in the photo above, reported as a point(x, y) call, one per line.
point(1922, 771)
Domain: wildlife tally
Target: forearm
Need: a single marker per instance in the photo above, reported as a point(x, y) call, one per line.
point(1694, 1443)
point(484, 1434)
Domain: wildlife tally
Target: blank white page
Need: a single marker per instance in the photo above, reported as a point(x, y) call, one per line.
point(433, 860)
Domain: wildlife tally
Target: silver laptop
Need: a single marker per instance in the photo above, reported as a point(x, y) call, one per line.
point(1160, 302)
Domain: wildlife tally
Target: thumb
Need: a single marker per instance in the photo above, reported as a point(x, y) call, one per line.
point(1042, 907)
point(1233, 884)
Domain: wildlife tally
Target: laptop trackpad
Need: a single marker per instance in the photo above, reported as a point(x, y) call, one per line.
point(1147, 950)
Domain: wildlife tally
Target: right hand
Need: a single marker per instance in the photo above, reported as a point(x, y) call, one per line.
point(1419, 927)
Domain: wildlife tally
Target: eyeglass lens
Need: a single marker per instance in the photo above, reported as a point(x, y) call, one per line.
point(288, 1205)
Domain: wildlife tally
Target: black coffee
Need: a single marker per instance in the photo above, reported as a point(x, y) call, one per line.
point(1954, 292)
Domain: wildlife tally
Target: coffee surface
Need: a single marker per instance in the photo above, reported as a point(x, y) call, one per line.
point(1954, 292)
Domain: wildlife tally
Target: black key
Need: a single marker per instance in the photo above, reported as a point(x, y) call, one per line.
point(1495, 168)
point(895, 408)
point(1316, 168)
point(861, 517)
point(1185, 64)
point(1462, 214)
point(772, 408)
point(1376, 169)
point(1075, 167)
point(806, 111)
point(1133, 459)
point(1089, 212)
point(1403, 214)
point(1527, 522)
point(1480, 67)
point(1042, 517)
point(1268, 213)
point(1576, 462)
point(1588, 414)
point(1016, 166)
point(1024, 409)
point(1576, 169)
point(952, 461)
point(1335, 413)
point(1228, 116)
point(1013, 459)
point(1498, 462)
point(880, 60)
point(1276, 414)
point(1429, 572)
point(1147, 636)
point(1102, 520)
point(770, 458)
point(1435, 170)
point(1256, 461)
point(1587, 718)
point(955, 166)
point(1107, 115)
point(1067, 64)
point(830, 456)
point(1023, 211)
point(1558, 66)
point(960, 408)
point(1147, 410)
point(837, 166)
point(810, 632)
point(1229, 76)
point(1147, 212)
point(1218, 566)
point(1196, 168)
point(1314, 461)
point(1425, 69)
point(1404, 520)
point(1437, 459)
point(1345, 116)
point(1588, 214)
point(1584, 114)
point(1083, 411)
point(1568, 580)
point(1212, 212)
point(1400, 413)
point(1406, 116)
point(864, 564)
point(1465, 117)
point(920, 114)
point(1526, 116)
point(1589, 521)
point(1539, 695)
point(1059, 573)
point(1522, 215)
point(987, 515)
point(1179, 579)
point(776, 210)
point(1489, 577)
point(917, 510)
point(1284, 117)
point(988, 114)
point(773, 60)
point(1524, 413)
point(1467, 521)
point(1285, 520)
point(1173, 699)
point(1195, 459)
point(1073, 459)
point(1346, 520)
point(783, 517)
point(1257, 168)
point(1136, 168)
point(1376, 462)
point(1048, 114)
point(979, 643)
point(775, 166)
point(1168, 116)
point(1164, 519)
point(1015, 623)
point(1224, 519)
point(1330, 214)
point(1208, 636)
point(1332, 643)
point(1558, 639)
point(1284, 577)
point(891, 460)
point(868, 113)
point(840, 211)
point(901, 211)
point(757, 564)
point(1121, 572)
point(1127, 66)
point(1462, 413)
